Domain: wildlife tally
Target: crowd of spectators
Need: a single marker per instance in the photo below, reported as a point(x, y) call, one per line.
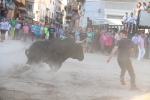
point(130, 20)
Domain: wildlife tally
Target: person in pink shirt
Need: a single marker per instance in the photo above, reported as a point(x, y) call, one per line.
point(25, 30)
point(109, 43)
point(141, 46)
point(103, 41)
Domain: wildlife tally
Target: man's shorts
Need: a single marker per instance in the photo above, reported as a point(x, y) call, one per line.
point(131, 23)
point(38, 36)
point(3, 31)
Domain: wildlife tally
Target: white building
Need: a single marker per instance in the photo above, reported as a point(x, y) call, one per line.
point(105, 11)
point(44, 10)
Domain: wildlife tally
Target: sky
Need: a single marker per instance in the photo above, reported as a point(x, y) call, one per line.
point(64, 1)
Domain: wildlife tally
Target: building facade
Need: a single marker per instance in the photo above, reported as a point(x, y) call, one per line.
point(16, 8)
point(105, 11)
point(59, 12)
point(29, 16)
point(72, 15)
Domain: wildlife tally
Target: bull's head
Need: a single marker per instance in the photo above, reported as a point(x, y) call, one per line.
point(78, 51)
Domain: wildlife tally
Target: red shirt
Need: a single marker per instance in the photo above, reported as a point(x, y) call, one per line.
point(109, 40)
point(103, 39)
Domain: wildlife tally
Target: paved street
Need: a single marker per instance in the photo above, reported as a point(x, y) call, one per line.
point(91, 79)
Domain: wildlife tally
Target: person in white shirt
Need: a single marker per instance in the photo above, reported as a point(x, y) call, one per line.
point(131, 22)
point(17, 30)
point(8, 28)
point(143, 7)
point(125, 21)
point(4, 26)
point(135, 44)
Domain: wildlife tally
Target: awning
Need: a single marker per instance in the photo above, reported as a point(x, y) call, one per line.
point(22, 10)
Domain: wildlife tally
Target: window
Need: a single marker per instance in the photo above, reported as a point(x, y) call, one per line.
point(114, 17)
point(29, 7)
point(49, 14)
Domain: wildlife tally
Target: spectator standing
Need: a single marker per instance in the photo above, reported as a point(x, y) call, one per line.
point(46, 32)
point(137, 11)
point(125, 21)
point(4, 26)
point(77, 33)
point(38, 32)
point(22, 24)
point(89, 23)
point(8, 29)
point(33, 32)
point(89, 40)
point(95, 40)
point(103, 41)
point(73, 32)
point(135, 44)
point(117, 35)
point(61, 32)
point(13, 24)
point(17, 30)
point(143, 6)
point(52, 32)
point(25, 30)
point(146, 46)
point(83, 37)
point(148, 7)
point(109, 43)
point(141, 46)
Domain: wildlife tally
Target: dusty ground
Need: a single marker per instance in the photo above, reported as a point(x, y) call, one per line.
point(91, 79)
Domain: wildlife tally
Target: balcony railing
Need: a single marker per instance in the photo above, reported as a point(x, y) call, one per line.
point(29, 14)
point(30, 0)
point(74, 7)
point(79, 0)
point(69, 15)
point(58, 10)
point(62, 12)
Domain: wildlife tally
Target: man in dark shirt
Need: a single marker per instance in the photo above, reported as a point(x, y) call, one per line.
point(125, 46)
point(82, 37)
point(52, 33)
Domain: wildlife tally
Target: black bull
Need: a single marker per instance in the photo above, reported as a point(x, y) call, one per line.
point(54, 52)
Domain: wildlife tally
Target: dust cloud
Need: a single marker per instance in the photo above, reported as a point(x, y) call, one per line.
point(91, 79)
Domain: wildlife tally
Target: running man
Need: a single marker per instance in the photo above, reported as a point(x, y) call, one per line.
point(125, 47)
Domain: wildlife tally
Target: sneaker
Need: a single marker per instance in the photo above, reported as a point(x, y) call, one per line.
point(122, 81)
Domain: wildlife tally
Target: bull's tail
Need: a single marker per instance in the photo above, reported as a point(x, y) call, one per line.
point(26, 52)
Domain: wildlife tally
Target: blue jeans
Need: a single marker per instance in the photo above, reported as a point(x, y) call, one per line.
point(25, 37)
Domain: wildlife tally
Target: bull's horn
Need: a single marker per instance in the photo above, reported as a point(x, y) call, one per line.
point(78, 42)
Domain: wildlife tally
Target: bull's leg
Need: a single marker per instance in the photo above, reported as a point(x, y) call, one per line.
point(50, 65)
point(57, 66)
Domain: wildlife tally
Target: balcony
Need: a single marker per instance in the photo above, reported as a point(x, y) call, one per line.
point(58, 10)
point(29, 15)
point(62, 13)
point(30, 1)
point(68, 15)
point(79, 0)
point(74, 7)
